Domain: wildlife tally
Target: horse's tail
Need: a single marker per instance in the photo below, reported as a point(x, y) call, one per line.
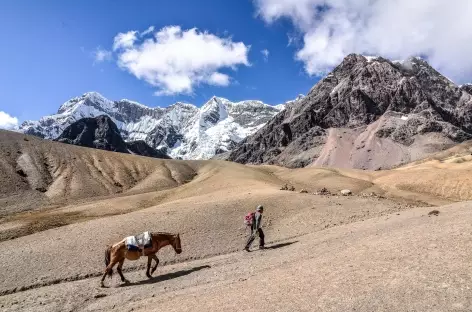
point(107, 260)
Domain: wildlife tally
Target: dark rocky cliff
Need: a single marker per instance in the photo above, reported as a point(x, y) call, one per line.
point(102, 133)
point(405, 100)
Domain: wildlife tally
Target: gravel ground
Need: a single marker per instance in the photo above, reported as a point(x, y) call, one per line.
point(406, 262)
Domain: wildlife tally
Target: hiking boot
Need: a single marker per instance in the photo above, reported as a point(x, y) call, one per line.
point(247, 249)
point(261, 247)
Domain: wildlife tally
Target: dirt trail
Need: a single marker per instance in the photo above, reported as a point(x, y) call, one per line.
point(362, 266)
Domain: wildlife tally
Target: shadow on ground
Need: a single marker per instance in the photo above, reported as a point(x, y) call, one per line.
point(281, 245)
point(168, 276)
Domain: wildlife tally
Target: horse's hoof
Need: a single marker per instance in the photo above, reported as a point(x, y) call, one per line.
point(102, 285)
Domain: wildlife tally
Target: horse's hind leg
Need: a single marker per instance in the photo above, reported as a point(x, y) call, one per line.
point(149, 267)
point(108, 271)
point(120, 271)
point(157, 263)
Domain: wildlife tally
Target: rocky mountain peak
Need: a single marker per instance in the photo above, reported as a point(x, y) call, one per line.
point(93, 99)
point(402, 104)
point(213, 111)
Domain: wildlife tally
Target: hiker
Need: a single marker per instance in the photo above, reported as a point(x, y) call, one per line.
point(256, 228)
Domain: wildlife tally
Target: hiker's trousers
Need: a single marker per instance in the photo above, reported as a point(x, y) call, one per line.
point(253, 237)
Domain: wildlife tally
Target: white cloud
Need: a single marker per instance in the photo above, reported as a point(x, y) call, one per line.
point(176, 60)
point(294, 39)
point(265, 55)
point(8, 122)
point(218, 79)
point(291, 40)
point(148, 31)
point(124, 40)
point(102, 55)
point(331, 29)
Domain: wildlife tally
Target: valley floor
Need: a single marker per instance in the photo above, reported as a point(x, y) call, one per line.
point(378, 250)
point(406, 261)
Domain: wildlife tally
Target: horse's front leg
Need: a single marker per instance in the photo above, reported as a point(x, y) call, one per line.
point(157, 263)
point(149, 267)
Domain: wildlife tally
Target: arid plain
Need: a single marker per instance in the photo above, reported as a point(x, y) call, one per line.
point(377, 250)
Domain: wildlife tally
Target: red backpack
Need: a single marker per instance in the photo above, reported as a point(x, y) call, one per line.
point(249, 218)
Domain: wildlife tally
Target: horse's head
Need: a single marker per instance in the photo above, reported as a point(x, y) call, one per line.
point(176, 244)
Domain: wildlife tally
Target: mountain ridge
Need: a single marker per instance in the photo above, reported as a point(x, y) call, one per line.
point(177, 130)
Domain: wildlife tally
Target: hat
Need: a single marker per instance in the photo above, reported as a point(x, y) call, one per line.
point(259, 208)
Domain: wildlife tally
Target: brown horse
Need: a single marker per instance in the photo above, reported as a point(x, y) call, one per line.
point(118, 252)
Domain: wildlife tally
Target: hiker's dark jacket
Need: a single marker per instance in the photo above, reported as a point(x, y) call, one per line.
point(257, 221)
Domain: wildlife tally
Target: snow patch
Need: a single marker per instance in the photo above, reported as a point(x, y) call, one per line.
point(280, 107)
point(371, 58)
point(450, 80)
point(136, 103)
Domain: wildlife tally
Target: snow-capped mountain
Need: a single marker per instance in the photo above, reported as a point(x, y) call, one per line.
point(130, 117)
point(181, 130)
point(219, 125)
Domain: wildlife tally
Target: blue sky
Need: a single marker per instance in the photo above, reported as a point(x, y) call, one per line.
point(49, 57)
point(49, 47)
